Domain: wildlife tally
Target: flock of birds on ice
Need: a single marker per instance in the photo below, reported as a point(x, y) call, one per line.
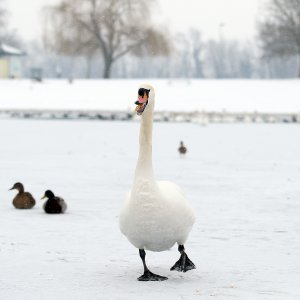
point(155, 215)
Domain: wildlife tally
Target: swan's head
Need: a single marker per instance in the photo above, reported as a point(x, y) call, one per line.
point(145, 101)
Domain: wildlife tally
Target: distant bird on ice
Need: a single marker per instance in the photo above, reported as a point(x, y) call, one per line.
point(54, 204)
point(23, 200)
point(182, 149)
point(156, 214)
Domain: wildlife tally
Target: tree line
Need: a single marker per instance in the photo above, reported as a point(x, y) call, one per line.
point(117, 38)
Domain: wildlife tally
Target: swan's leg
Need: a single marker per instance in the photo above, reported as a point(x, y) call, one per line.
point(148, 276)
point(184, 264)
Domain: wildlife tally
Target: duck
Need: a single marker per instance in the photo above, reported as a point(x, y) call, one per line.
point(54, 204)
point(155, 214)
point(23, 200)
point(182, 149)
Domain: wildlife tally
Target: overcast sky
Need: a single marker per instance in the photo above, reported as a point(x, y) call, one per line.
point(238, 16)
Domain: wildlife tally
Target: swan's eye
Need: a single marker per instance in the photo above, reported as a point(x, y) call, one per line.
point(140, 108)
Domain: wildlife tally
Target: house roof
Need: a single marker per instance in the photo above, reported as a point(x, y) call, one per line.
point(9, 50)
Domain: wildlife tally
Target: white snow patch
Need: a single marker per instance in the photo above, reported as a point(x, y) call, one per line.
point(242, 180)
point(171, 95)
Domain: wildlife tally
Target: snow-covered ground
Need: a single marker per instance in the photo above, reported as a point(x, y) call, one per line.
point(242, 180)
point(271, 96)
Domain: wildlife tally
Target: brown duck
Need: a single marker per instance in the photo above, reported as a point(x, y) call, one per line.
point(182, 149)
point(23, 200)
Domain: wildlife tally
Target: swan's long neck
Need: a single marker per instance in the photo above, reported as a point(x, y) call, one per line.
point(144, 167)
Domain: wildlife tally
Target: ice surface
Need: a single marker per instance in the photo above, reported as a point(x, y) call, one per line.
point(172, 95)
point(242, 180)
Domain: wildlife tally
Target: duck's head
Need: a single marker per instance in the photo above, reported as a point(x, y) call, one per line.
point(17, 186)
point(145, 99)
point(48, 194)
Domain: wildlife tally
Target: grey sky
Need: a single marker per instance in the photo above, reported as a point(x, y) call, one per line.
point(238, 16)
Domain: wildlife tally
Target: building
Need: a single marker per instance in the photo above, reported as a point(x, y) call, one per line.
point(11, 61)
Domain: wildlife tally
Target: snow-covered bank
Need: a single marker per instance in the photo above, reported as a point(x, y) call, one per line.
point(271, 96)
point(243, 181)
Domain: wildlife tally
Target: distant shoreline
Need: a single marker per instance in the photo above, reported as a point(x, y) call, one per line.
point(202, 118)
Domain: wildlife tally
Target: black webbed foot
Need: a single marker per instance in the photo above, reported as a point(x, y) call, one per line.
point(184, 264)
point(149, 276)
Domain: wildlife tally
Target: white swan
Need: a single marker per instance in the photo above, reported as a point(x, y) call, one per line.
point(155, 215)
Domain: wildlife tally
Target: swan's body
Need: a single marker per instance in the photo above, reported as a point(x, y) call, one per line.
point(156, 214)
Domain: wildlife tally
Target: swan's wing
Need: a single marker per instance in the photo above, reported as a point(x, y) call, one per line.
point(124, 213)
point(172, 189)
point(177, 202)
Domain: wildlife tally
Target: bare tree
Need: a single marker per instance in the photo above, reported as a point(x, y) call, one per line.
point(215, 57)
point(3, 14)
point(182, 57)
point(197, 47)
point(280, 31)
point(112, 27)
point(230, 59)
point(7, 35)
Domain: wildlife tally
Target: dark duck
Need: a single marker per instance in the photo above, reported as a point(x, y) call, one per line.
point(54, 204)
point(23, 200)
point(182, 149)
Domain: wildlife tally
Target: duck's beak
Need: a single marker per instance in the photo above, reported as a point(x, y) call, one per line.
point(11, 189)
point(43, 197)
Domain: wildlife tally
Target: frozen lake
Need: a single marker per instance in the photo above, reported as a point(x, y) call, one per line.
point(242, 180)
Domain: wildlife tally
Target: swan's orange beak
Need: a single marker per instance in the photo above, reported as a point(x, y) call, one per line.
point(141, 102)
point(140, 106)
